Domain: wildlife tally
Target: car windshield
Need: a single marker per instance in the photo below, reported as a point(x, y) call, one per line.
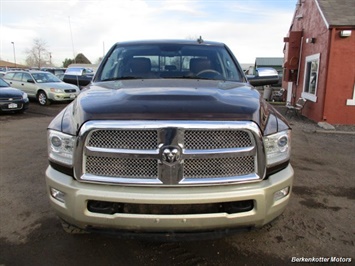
point(3, 83)
point(152, 61)
point(45, 78)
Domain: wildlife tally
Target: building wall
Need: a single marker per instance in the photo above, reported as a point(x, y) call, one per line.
point(313, 26)
point(336, 67)
point(340, 81)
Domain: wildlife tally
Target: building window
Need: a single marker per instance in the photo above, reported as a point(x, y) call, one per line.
point(311, 78)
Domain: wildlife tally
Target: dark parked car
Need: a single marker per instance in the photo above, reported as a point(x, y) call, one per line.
point(79, 76)
point(11, 99)
point(58, 72)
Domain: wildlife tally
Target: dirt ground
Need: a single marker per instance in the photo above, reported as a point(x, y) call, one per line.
point(318, 223)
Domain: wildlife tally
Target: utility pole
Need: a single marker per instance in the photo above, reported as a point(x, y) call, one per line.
point(72, 41)
point(13, 46)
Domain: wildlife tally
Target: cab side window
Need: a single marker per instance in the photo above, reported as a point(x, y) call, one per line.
point(17, 77)
point(26, 77)
point(9, 76)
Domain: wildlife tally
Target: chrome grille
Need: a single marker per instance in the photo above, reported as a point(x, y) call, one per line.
point(124, 139)
point(69, 90)
point(8, 98)
point(218, 167)
point(136, 152)
point(122, 167)
point(216, 139)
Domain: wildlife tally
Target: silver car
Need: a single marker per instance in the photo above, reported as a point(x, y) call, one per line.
point(43, 86)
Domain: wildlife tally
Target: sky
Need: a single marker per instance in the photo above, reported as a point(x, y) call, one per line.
point(250, 28)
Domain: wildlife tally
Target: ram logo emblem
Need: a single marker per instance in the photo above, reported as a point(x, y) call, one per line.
point(170, 155)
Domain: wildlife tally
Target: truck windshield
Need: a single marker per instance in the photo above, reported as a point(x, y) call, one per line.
point(156, 61)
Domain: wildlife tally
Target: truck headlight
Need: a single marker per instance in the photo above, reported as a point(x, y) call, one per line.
point(278, 147)
point(61, 147)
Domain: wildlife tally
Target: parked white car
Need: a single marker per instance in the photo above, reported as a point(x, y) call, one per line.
point(43, 86)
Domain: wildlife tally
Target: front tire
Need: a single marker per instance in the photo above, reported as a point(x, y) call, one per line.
point(42, 98)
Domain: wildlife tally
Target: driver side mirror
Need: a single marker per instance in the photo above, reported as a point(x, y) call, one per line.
point(264, 76)
point(30, 81)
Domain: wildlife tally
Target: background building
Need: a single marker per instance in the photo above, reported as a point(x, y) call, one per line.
point(319, 61)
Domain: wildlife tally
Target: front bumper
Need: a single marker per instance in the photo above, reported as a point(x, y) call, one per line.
point(17, 105)
point(74, 209)
point(63, 96)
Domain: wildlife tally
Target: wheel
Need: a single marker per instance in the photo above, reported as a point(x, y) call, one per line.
point(42, 98)
point(209, 73)
point(71, 229)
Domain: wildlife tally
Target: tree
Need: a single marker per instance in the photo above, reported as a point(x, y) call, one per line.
point(67, 62)
point(81, 59)
point(38, 55)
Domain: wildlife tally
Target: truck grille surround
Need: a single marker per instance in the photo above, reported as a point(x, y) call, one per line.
point(169, 153)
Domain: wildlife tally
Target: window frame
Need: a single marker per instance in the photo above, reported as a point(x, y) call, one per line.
point(306, 93)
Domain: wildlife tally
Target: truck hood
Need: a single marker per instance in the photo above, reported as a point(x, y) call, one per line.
point(165, 100)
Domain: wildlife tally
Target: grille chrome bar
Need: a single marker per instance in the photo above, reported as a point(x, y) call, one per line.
point(121, 152)
point(225, 152)
point(219, 152)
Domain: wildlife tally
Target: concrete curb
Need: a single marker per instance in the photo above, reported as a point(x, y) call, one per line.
point(321, 131)
point(326, 126)
point(334, 132)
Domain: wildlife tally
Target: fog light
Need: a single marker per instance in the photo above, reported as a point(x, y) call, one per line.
point(58, 195)
point(281, 193)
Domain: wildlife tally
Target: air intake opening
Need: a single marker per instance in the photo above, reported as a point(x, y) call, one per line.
point(169, 209)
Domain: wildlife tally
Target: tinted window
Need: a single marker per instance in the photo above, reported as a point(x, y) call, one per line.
point(169, 61)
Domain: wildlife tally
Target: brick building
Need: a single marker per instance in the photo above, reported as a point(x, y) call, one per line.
point(319, 60)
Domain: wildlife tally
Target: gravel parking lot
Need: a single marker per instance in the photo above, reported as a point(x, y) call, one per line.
point(318, 224)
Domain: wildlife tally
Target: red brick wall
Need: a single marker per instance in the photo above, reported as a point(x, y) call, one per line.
point(336, 67)
point(341, 79)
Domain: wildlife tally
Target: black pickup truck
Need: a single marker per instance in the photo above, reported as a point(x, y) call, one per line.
point(169, 138)
point(80, 76)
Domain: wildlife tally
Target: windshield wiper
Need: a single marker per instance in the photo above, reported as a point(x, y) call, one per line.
point(181, 77)
point(121, 78)
point(194, 77)
point(172, 77)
